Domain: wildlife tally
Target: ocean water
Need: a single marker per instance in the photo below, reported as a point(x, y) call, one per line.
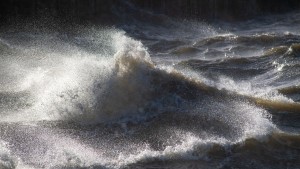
point(164, 93)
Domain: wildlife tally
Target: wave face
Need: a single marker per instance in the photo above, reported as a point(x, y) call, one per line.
point(151, 93)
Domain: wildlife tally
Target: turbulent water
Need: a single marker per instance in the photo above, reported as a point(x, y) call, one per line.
point(152, 94)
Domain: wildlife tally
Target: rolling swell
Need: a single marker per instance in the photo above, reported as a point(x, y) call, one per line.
point(123, 99)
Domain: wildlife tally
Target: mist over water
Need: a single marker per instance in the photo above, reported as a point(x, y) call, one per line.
point(159, 93)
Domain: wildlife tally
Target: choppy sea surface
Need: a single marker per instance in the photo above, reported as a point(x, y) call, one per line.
point(162, 94)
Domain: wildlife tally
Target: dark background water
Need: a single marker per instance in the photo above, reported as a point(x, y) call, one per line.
point(112, 12)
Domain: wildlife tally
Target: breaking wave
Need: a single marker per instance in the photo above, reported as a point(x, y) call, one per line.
point(97, 100)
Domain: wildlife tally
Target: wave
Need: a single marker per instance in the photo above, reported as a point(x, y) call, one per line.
point(168, 144)
point(88, 88)
point(183, 146)
point(113, 107)
point(293, 50)
point(252, 40)
point(278, 106)
point(290, 90)
point(235, 154)
point(213, 40)
point(185, 51)
point(280, 50)
point(230, 46)
point(232, 67)
point(80, 86)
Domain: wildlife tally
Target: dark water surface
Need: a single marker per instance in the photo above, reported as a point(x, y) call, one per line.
point(159, 93)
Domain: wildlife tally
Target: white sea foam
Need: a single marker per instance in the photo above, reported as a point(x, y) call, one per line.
point(7, 161)
point(76, 85)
